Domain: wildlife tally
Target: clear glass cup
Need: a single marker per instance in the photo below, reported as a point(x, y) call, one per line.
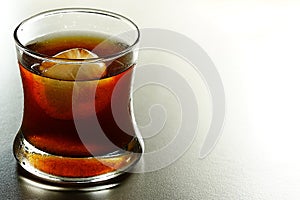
point(77, 68)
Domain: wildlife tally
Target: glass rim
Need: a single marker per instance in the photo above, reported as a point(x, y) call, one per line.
point(49, 58)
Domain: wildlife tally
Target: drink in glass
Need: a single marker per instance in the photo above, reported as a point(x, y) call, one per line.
point(77, 67)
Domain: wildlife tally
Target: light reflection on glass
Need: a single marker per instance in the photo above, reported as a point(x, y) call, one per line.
point(32, 187)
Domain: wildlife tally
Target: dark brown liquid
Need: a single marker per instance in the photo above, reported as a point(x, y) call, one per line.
point(48, 122)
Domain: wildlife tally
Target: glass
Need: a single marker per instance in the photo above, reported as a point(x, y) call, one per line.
point(77, 68)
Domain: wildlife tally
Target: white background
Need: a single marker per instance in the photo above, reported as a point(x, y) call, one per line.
point(255, 46)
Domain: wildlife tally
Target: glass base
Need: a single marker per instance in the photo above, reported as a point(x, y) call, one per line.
point(75, 171)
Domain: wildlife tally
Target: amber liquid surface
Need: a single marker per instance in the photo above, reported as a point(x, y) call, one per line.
point(49, 123)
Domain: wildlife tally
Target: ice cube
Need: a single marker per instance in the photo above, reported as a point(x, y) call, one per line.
point(70, 71)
